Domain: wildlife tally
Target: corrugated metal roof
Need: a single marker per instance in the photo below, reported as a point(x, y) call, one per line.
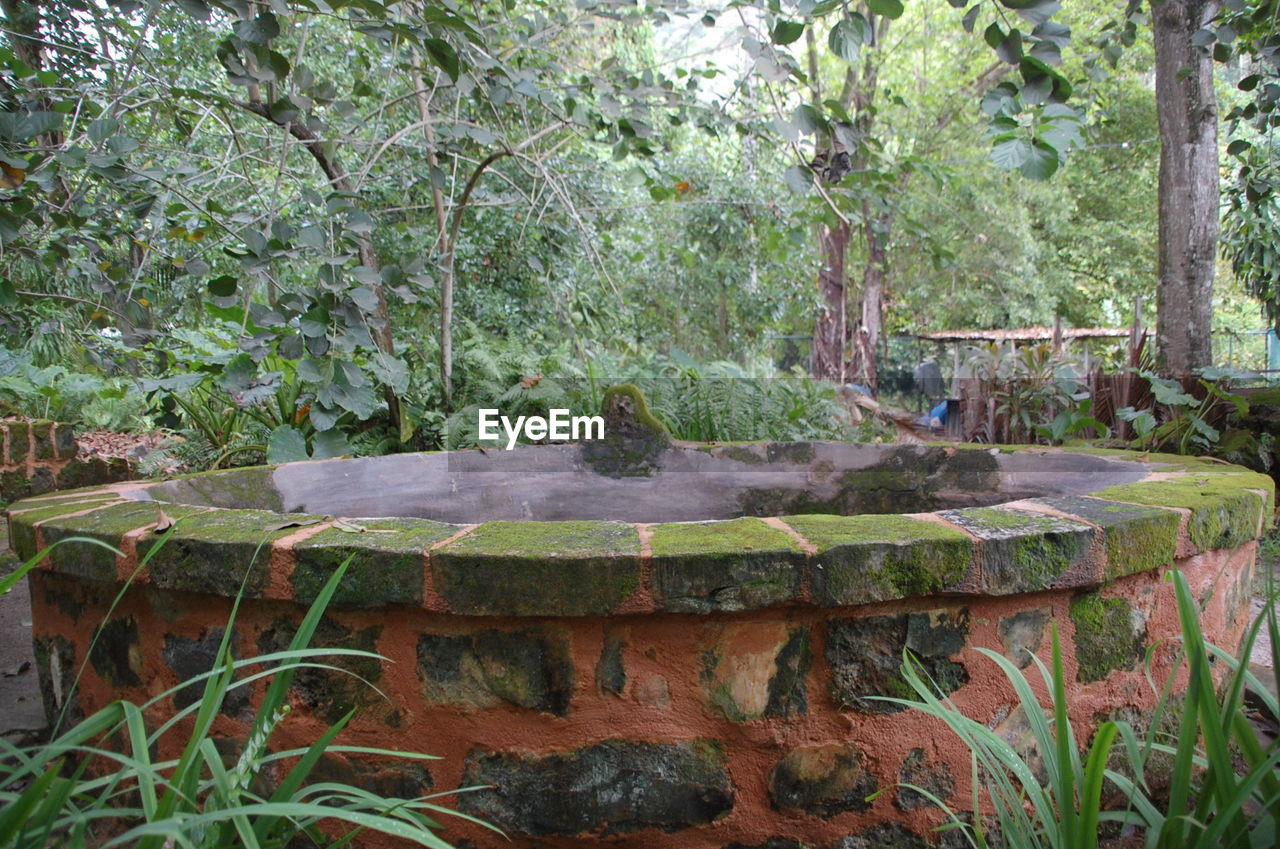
point(1024, 334)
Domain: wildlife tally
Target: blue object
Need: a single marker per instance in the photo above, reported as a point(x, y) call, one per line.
point(860, 388)
point(939, 412)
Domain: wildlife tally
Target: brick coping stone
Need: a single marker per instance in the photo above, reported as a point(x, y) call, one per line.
point(1170, 507)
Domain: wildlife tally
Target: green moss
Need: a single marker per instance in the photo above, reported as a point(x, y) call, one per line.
point(548, 539)
point(219, 551)
point(637, 411)
point(1137, 538)
point(863, 559)
point(1106, 638)
point(248, 488)
point(1023, 551)
point(1224, 514)
point(998, 519)
point(1142, 544)
point(1043, 559)
point(532, 568)
point(728, 539)
point(106, 524)
point(751, 453)
point(634, 440)
point(735, 565)
point(386, 561)
point(22, 525)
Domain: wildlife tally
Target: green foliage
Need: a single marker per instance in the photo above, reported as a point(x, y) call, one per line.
point(1036, 394)
point(1062, 812)
point(1184, 426)
point(81, 789)
point(1223, 779)
point(76, 397)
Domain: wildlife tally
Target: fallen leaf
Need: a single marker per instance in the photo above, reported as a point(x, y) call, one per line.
point(294, 523)
point(163, 522)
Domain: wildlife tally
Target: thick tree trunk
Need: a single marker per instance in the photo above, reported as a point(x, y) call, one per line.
point(831, 331)
point(1188, 205)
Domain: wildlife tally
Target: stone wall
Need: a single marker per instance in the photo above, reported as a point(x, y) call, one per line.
point(41, 456)
point(667, 686)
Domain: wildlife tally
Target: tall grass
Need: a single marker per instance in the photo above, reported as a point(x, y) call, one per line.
point(1214, 799)
point(101, 783)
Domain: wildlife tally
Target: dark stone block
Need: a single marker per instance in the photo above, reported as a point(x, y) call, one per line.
point(886, 836)
point(614, 787)
point(14, 486)
point(221, 553)
point(386, 565)
point(530, 669)
point(771, 843)
point(93, 471)
point(106, 524)
point(42, 441)
point(116, 654)
point(865, 655)
point(1022, 634)
point(1023, 551)
point(1224, 513)
point(331, 694)
point(1109, 635)
point(64, 442)
point(42, 481)
point(822, 781)
point(539, 568)
point(863, 559)
point(189, 658)
point(611, 674)
point(19, 442)
point(1137, 538)
point(916, 771)
point(741, 564)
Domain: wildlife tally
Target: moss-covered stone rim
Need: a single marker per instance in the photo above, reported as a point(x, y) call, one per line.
point(815, 560)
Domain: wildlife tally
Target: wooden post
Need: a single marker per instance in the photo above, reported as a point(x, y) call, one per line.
point(1057, 336)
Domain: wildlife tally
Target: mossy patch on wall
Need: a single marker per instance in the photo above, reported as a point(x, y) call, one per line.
point(736, 565)
point(539, 568)
point(634, 440)
point(1109, 635)
point(1137, 538)
point(1224, 513)
point(387, 557)
point(1023, 551)
point(862, 559)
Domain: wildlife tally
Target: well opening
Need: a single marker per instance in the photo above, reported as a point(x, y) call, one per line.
point(682, 483)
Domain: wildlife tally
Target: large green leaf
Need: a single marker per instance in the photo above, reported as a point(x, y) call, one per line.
point(847, 37)
point(443, 56)
point(286, 445)
point(785, 32)
point(892, 9)
point(1042, 161)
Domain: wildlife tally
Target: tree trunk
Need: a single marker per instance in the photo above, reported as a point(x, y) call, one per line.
point(831, 331)
point(875, 229)
point(1188, 187)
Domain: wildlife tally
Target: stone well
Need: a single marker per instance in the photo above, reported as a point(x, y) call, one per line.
point(558, 629)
